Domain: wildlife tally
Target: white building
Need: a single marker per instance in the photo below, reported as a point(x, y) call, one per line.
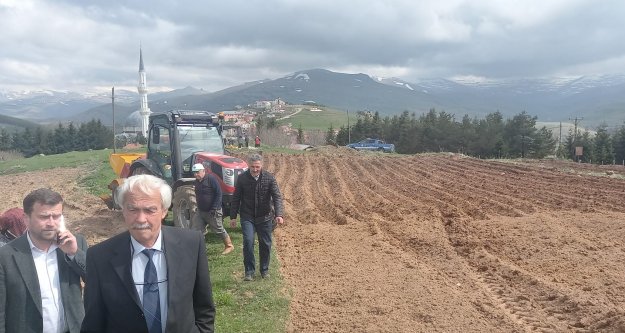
point(144, 110)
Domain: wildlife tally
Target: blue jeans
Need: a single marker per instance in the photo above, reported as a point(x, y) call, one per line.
point(264, 230)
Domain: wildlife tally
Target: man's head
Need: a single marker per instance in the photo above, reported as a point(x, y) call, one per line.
point(13, 223)
point(43, 208)
point(198, 171)
point(145, 200)
point(255, 164)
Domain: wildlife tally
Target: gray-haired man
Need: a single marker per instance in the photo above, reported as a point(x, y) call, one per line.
point(257, 199)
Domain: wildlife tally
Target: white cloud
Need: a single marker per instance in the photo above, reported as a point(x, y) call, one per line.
point(85, 43)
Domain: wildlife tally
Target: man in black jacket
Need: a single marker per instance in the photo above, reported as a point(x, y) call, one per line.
point(258, 200)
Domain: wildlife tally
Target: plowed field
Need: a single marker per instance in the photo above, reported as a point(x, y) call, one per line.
point(445, 243)
point(428, 243)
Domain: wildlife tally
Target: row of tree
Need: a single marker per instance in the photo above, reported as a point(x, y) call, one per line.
point(490, 137)
point(603, 147)
point(62, 139)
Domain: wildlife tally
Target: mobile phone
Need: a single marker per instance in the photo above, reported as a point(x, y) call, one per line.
point(62, 224)
point(62, 228)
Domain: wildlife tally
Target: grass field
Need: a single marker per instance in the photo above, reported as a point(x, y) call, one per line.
point(261, 305)
point(319, 120)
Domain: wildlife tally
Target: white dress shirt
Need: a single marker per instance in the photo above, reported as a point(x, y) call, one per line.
point(140, 260)
point(49, 284)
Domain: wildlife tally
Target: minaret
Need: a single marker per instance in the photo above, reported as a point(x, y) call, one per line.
point(144, 111)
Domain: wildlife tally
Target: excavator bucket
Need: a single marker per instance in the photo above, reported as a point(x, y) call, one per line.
point(121, 162)
point(108, 200)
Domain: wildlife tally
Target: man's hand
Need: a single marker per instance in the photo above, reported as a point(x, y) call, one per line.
point(233, 223)
point(279, 220)
point(67, 243)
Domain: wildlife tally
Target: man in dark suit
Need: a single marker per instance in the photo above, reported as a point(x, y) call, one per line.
point(40, 271)
point(152, 278)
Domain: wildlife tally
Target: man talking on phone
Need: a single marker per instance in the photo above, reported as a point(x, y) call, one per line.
point(40, 271)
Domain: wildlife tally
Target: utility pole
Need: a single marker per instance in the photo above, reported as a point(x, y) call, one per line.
point(575, 121)
point(349, 133)
point(113, 104)
point(560, 137)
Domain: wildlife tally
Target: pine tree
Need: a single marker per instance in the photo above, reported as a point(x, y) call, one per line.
point(6, 142)
point(300, 135)
point(603, 150)
point(330, 136)
point(618, 143)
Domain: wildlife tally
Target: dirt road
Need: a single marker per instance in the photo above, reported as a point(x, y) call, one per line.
point(428, 243)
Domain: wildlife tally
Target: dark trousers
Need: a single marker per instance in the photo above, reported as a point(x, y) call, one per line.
point(264, 230)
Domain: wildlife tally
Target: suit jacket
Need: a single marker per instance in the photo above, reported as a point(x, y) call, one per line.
point(111, 300)
point(20, 295)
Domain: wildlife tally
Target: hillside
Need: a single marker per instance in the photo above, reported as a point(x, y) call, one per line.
point(15, 123)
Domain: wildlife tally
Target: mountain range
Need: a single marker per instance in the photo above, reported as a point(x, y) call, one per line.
point(596, 99)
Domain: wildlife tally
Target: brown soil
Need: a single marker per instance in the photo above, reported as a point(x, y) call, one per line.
point(85, 214)
point(428, 243)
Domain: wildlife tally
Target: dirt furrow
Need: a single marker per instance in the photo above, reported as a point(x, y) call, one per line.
point(463, 184)
point(545, 187)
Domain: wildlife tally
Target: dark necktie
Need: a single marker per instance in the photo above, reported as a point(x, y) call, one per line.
point(151, 299)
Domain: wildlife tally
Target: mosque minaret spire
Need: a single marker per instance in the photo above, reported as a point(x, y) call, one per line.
point(144, 110)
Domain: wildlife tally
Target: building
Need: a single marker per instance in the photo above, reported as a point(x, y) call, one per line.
point(144, 110)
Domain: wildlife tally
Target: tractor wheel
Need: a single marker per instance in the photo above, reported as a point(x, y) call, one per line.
point(114, 198)
point(184, 206)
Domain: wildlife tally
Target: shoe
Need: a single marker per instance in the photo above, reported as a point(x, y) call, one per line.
point(265, 275)
point(248, 277)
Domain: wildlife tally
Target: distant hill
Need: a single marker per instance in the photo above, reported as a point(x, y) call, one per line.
point(595, 98)
point(9, 122)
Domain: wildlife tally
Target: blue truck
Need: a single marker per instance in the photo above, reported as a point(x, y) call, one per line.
point(373, 145)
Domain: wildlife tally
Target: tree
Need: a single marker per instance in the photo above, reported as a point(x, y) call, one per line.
point(6, 143)
point(544, 143)
point(342, 136)
point(618, 143)
point(519, 134)
point(62, 142)
point(330, 136)
point(26, 143)
point(300, 135)
point(586, 142)
point(272, 123)
point(260, 122)
point(72, 134)
point(602, 148)
point(489, 136)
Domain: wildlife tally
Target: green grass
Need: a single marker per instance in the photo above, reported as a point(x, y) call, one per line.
point(319, 120)
point(261, 305)
point(94, 158)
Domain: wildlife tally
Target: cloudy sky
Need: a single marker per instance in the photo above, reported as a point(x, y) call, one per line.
point(89, 44)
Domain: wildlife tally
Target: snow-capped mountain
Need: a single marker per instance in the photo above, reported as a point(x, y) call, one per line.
point(596, 98)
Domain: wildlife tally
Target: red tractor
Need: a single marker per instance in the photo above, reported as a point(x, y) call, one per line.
point(178, 139)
